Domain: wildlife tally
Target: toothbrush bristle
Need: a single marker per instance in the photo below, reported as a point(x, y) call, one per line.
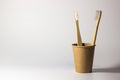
point(76, 15)
point(97, 14)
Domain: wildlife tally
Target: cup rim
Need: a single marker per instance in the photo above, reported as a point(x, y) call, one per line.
point(84, 45)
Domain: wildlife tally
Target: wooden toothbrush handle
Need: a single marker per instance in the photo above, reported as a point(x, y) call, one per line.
point(78, 34)
point(96, 28)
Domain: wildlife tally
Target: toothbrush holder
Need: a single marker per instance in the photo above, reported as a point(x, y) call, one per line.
point(83, 57)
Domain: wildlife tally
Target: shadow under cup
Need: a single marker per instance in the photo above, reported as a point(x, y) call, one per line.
point(83, 57)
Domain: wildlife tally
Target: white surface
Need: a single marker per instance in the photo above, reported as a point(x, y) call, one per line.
point(40, 33)
point(53, 73)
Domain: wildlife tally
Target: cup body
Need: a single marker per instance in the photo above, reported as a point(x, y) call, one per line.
point(83, 57)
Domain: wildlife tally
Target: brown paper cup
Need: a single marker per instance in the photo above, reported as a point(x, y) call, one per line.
point(83, 57)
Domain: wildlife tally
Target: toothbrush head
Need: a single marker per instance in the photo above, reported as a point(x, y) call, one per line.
point(98, 14)
point(76, 16)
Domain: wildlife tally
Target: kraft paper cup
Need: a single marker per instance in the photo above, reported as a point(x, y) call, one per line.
point(83, 57)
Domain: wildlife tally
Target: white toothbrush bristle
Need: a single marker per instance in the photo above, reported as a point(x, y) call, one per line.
point(97, 14)
point(76, 15)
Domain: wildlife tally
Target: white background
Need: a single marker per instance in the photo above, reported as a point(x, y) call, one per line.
point(41, 32)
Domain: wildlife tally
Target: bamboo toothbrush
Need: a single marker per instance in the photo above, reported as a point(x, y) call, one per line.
point(79, 41)
point(99, 13)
